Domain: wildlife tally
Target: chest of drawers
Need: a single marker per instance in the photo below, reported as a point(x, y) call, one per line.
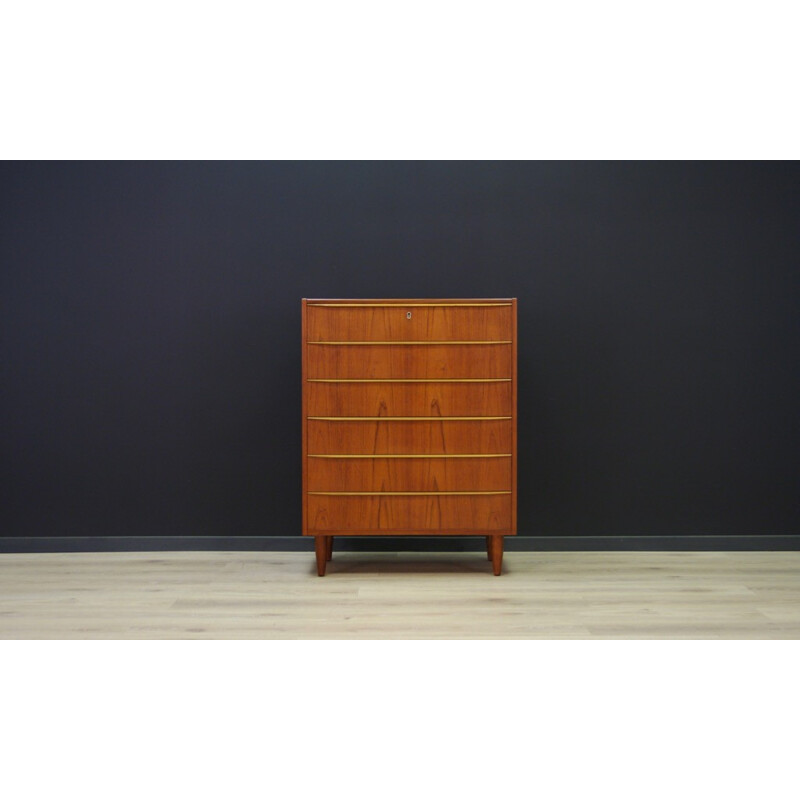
point(409, 420)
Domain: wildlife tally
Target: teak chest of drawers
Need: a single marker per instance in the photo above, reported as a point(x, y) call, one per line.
point(409, 420)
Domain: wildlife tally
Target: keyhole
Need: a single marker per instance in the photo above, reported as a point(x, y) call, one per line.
point(408, 315)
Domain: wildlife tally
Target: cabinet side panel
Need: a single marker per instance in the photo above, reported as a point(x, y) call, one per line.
point(304, 412)
point(514, 421)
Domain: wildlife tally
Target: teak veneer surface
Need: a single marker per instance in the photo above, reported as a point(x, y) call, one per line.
point(426, 323)
point(435, 514)
point(410, 399)
point(409, 361)
point(488, 436)
point(428, 474)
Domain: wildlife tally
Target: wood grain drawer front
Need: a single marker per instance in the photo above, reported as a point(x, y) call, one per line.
point(398, 362)
point(452, 437)
point(392, 323)
point(408, 474)
point(448, 514)
point(410, 399)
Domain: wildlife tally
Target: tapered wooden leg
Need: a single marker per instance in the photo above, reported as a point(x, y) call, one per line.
point(489, 547)
point(321, 548)
point(330, 547)
point(497, 554)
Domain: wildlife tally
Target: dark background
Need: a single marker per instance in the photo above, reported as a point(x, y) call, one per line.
point(150, 329)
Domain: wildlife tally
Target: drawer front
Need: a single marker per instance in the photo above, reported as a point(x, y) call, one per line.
point(409, 474)
point(415, 362)
point(392, 323)
point(410, 399)
point(446, 514)
point(376, 438)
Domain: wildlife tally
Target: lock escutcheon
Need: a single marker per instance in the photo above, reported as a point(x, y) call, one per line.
point(408, 315)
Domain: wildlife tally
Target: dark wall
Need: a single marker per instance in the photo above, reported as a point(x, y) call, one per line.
point(150, 326)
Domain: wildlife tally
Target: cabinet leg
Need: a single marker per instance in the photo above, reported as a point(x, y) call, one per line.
point(497, 554)
point(489, 547)
point(330, 547)
point(321, 548)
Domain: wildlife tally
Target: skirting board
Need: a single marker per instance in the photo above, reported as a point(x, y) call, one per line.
point(426, 544)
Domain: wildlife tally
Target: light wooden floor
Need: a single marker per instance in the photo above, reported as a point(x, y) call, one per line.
point(398, 596)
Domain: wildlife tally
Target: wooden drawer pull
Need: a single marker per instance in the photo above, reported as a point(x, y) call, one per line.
point(399, 494)
point(416, 342)
point(409, 455)
point(405, 419)
point(408, 380)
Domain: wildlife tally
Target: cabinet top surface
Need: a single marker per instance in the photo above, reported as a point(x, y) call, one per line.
point(408, 300)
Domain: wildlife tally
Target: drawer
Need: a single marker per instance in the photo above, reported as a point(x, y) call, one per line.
point(409, 474)
point(431, 514)
point(376, 438)
point(490, 321)
point(415, 362)
point(410, 399)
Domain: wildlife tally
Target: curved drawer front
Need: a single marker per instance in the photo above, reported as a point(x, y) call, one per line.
point(409, 474)
point(398, 362)
point(410, 399)
point(391, 322)
point(449, 514)
point(453, 437)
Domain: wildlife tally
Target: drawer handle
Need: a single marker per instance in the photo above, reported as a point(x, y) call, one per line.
point(312, 303)
point(408, 419)
point(409, 455)
point(415, 341)
point(399, 494)
point(408, 380)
